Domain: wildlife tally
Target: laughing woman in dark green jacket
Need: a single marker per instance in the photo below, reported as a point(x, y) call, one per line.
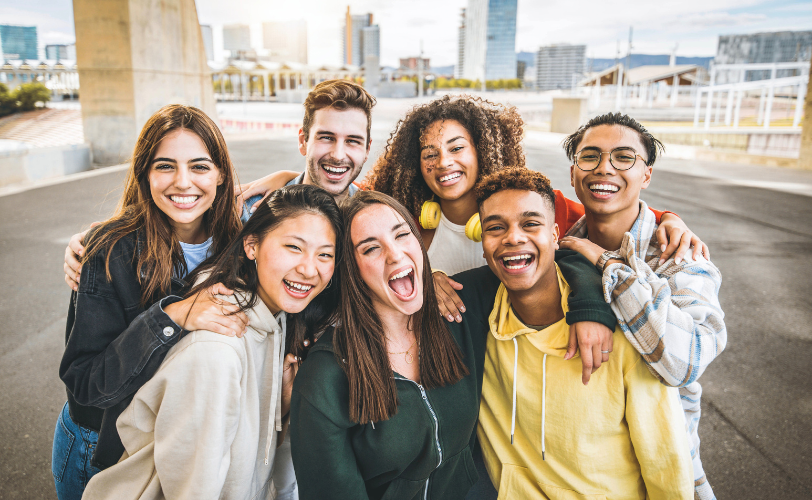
point(385, 406)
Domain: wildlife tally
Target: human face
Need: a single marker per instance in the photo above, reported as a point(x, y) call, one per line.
point(295, 261)
point(605, 190)
point(448, 160)
point(183, 182)
point(519, 238)
point(389, 258)
point(336, 150)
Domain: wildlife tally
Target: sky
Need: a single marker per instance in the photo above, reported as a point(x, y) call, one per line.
point(693, 26)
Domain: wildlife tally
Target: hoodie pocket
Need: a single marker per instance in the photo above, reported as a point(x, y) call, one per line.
point(518, 482)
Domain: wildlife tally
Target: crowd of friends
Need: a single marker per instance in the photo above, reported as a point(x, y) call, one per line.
point(450, 327)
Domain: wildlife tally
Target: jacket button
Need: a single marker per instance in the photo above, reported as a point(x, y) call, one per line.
point(169, 331)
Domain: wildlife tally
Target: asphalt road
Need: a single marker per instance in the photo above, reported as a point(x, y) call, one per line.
point(756, 427)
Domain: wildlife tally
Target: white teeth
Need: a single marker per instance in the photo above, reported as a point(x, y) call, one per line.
point(450, 176)
point(183, 200)
point(336, 170)
point(401, 274)
point(298, 286)
point(517, 257)
point(506, 261)
point(603, 187)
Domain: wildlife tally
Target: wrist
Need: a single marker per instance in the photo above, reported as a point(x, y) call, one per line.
point(606, 258)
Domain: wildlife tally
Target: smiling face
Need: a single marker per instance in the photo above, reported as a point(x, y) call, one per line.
point(183, 182)
point(448, 160)
point(295, 261)
point(389, 259)
point(519, 238)
point(336, 150)
point(605, 190)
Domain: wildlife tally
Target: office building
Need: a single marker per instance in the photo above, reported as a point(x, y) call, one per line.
point(237, 40)
point(559, 66)
point(412, 62)
point(490, 40)
point(18, 42)
point(208, 41)
point(60, 52)
point(780, 46)
point(353, 38)
point(460, 66)
point(285, 41)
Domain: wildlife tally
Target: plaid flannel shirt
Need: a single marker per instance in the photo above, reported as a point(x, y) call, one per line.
point(671, 314)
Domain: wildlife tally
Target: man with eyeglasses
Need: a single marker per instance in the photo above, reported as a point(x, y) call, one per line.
point(669, 310)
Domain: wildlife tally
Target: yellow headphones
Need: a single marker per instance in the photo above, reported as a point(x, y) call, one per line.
point(430, 219)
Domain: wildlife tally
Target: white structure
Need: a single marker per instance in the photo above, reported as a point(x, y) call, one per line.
point(559, 66)
point(458, 69)
point(490, 40)
point(208, 41)
point(237, 39)
point(371, 42)
point(61, 77)
point(285, 41)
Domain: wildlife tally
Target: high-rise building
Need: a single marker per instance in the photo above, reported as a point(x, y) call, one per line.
point(458, 69)
point(237, 40)
point(208, 41)
point(353, 38)
point(56, 52)
point(412, 62)
point(556, 65)
point(780, 46)
point(286, 41)
point(490, 40)
point(18, 42)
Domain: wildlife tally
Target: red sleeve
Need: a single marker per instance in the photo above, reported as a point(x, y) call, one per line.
point(567, 212)
point(659, 215)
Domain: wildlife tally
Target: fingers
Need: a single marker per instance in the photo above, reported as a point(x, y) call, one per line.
point(72, 284)
point(291, 363)
point(454, 285)
point(72, 268)
point(706, 251)
point(255, 206)
point(572, 346)
point(586, 365)
point(75, 243)
point(220, 289)
point(684, 246)
point(673, 238)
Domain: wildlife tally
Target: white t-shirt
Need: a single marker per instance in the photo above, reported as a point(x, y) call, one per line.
point(451, 251)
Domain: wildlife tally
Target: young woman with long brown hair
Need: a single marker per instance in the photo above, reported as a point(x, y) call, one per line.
point(386, 404)
point(177, 208)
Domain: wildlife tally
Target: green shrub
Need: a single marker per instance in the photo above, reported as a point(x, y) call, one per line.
point(8, 104)
point(28, 95)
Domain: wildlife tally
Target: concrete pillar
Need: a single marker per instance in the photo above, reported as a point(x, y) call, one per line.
point(569, 113)
point(135, 56)
point(805, 158)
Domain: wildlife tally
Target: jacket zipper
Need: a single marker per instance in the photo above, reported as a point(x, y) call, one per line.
point(436, 432)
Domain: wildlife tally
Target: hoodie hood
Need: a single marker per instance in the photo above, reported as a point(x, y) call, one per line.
point(506, 325)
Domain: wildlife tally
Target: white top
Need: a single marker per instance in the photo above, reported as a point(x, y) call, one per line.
point(451, 251)
point(205, 426)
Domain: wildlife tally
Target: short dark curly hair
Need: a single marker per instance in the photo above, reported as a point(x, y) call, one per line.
point(518, 178)
point(496, 130)
point(651, 143)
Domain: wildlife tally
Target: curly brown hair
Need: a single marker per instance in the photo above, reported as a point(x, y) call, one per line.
point(496, 130)
point(519, 178)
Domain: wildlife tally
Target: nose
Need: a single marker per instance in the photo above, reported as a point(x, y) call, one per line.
point(183, 178)
point(604, 166)
point(514, 236)
point(307, 266)
point(339, 151)
point(446, 160)
point(394, 253)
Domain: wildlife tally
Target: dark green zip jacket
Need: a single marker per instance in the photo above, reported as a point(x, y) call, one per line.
point(423, 451)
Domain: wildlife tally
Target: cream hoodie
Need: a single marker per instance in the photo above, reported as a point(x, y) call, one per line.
point(545, 435)
point(205, 426)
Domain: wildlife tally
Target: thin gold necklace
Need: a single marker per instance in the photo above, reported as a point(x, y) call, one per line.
point(408, 355)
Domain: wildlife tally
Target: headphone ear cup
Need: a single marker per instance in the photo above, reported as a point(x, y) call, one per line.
point(473, 228)
point(430, 215)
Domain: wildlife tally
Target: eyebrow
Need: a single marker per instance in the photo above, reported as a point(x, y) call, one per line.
point(373, 238)
point(454, 139)
point(352, 136)
point(524, 215)
point(194, 160)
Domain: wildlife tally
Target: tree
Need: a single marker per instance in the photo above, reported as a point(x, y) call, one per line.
point(8, 104)
point(28, 95)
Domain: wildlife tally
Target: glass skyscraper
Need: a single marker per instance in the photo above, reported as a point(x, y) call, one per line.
point(489, 40)
point(19, 42)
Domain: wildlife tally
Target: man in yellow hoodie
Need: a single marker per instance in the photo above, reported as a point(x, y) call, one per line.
point(543, 433)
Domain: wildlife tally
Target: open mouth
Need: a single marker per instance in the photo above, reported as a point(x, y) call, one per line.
point(335, 172)
point(182, 201)
point(402, 283)
point(297, 289)
point(517, 262)
point(603, 190)
point(449, 179)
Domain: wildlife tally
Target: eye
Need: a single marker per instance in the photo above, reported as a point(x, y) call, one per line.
point(402, 235)
point(532, 223)
point(354, 142)
point(495, 227)
point(163, 166)
point(456, 148)
point(327, 255)
point(369, 250)
point(294, 248)
point(201, 168)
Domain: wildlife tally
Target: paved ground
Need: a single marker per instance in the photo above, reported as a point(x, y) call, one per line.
point(757, 408)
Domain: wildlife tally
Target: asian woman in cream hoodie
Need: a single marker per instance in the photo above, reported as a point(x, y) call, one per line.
point(207, 424)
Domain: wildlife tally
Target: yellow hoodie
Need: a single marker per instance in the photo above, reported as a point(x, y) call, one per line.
point(620, 437)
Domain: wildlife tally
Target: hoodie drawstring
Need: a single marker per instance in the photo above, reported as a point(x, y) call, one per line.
point(543, 399)
point(275, 413)
point(515, 371)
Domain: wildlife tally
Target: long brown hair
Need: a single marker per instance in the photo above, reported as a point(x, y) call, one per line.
point(160, 255)
point(359, 342)
point(495, 129)
point(236, 271)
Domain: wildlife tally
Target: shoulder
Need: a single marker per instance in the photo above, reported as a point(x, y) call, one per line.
point(202, 347)
point(121, 257)
point(320, 378)
point(479, 283)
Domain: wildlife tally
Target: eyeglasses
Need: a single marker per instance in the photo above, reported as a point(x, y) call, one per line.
point(624, 158)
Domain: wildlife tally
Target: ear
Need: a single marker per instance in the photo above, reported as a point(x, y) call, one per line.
point(221, 178)
point(646, 176)
point(249, 245)
point(302, 142)
point(556, 234)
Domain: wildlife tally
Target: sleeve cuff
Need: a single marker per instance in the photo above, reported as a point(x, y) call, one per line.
point(598, 312)
point(162, 326)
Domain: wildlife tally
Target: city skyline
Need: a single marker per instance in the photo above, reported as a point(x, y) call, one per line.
point(404, 25)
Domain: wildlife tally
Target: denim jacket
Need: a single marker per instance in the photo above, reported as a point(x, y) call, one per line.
point(113, 344)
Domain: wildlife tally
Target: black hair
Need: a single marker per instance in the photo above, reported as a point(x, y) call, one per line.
point(651, 143)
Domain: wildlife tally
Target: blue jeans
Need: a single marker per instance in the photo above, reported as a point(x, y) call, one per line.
point(70, 459)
